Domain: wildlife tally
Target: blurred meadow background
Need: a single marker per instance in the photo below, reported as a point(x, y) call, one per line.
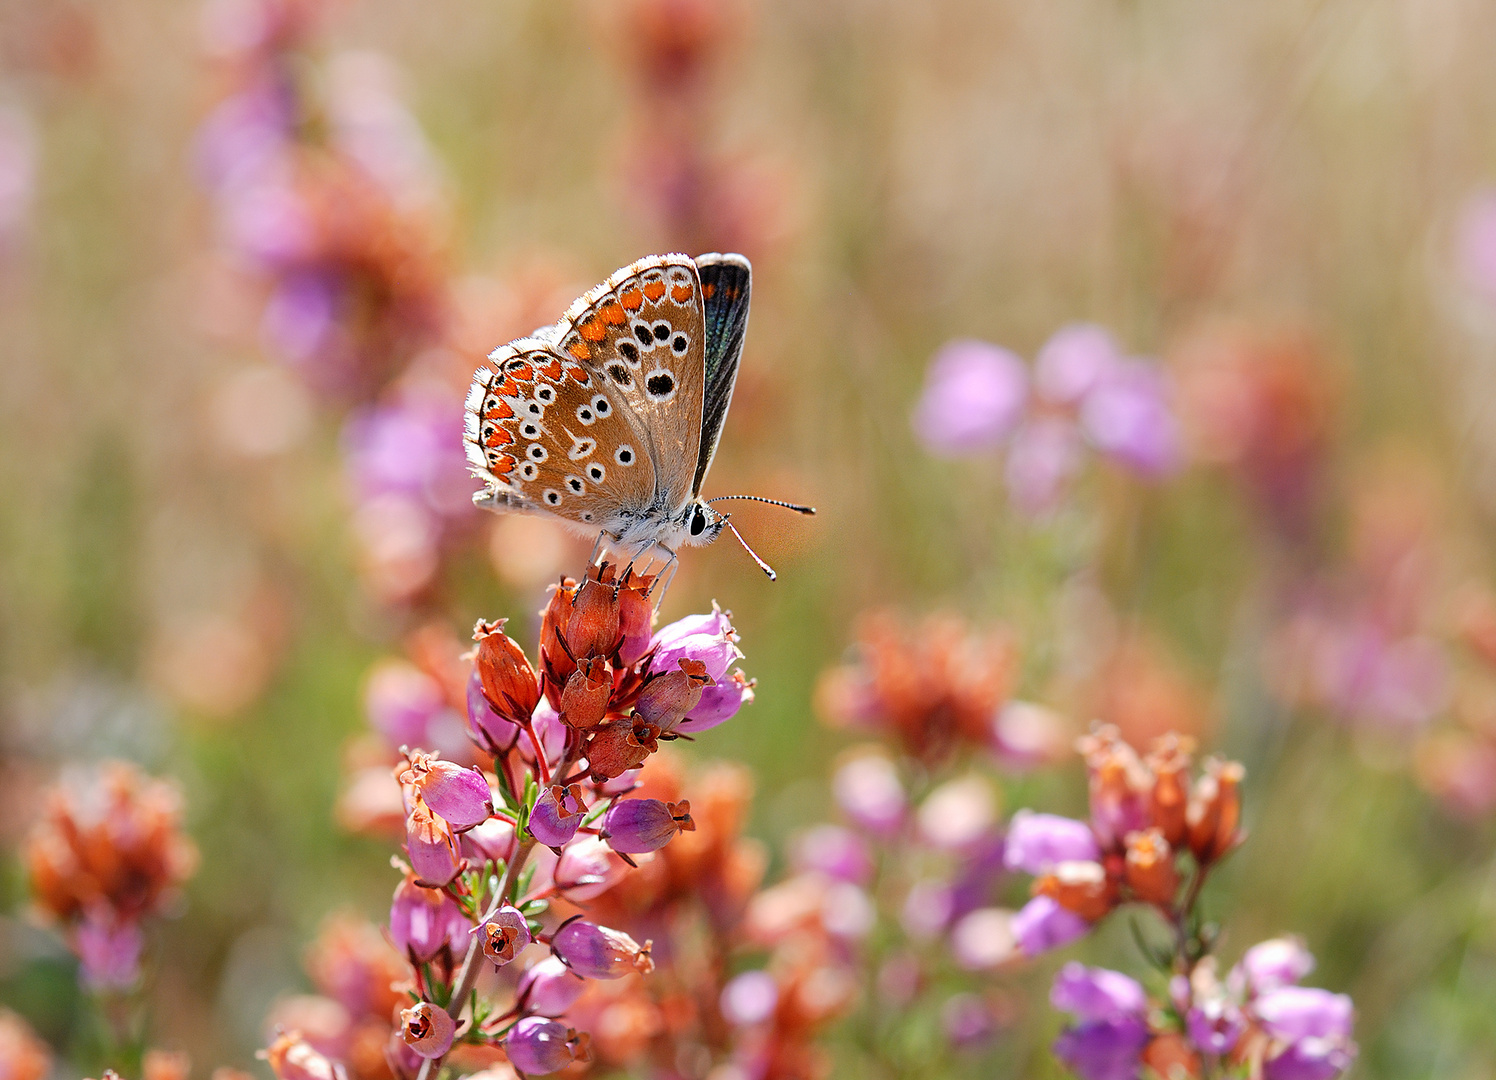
point(234, 510)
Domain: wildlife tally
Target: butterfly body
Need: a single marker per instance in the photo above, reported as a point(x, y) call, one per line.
point(608, 420)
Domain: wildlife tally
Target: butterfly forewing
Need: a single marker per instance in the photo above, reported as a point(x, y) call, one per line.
point(641, 335)
point(726, 282)
point(547, 436)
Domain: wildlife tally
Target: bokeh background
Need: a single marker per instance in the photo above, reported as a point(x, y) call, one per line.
point(227, 490)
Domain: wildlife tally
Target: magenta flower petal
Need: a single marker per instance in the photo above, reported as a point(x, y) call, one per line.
point(1036, 842)
point(1043, 456)
point(719, 703)
point(1127, 417)
point(974, 395)
point(488, 728)
point(425, 921)
point(1302, 1012)
point(427, 1029)
point(1272, 964)
point(504, 935)
point(1097, 993)
point(557, 815)
point(108, 954)
point(868, 790)
point(1104, 1049)
point(538, 1047)
point(708, 638)
point(458, 794)
point(1073, 362)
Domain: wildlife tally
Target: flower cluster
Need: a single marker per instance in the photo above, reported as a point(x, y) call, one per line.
point(942, 687)
point(108, 852)
point(495, 859)
point(980, 397)
point(1258, 1022)
point(1152, 838)
point(322, 202)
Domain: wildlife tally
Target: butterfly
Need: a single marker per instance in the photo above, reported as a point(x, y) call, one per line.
point(609, 420)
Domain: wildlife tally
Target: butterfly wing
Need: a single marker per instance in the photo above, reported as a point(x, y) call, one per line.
point(547, 436)
point(726, 281)
point(641, 334)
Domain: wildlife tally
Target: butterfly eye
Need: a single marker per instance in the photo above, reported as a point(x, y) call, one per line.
point(698, 522)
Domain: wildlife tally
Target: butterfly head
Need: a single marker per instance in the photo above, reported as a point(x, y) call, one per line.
point(702, 523)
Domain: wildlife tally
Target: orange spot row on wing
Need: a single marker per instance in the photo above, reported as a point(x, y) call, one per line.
point(522, 373)
point(551, 370)
point(612, 314)
point(680, 293)
point(632, 299)
point(593, 330)
point(580, 350)
point(499, 437)
point(579, 374)
point(505, 465)
point(501, 411)
point(654, 290)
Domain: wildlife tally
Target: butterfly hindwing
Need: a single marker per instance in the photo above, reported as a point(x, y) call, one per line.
point(548, 437)
point(641, 335)
point(726, 282)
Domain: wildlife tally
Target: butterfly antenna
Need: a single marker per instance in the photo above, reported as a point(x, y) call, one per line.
point(796, 507)
point(765, 567)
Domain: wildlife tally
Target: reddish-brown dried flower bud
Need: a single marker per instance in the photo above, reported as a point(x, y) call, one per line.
point(619, 746)
point(635, 619)
point(593, 629)
point(509, 682)
point(1120, 787)
point(584, 699)
point(427, 1029)
point(23, 1055)
point(1150, 871)
point(1170, 1055)
point(1169, 800)
point(666, 699)
point(1215, 810)
point(556, 657)
point(293, 1058)
point(1079, 886)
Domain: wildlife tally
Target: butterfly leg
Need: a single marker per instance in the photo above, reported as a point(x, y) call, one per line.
point(672, 564)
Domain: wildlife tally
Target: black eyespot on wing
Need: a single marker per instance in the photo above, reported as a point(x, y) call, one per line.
point(642, 333)
point(596, 473)
point(661, 331)
point(620, 374)
point(575, 484)
point(629, 351)
point(679, 344)
point(600, 406)
point(625, 455)
point(660, 384)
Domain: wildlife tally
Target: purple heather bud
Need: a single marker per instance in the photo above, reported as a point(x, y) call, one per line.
point(598, 952)
point(587, 868)
point(1104, 1049)
point(1302, 1012)
point(1272, 964)
point(1042, 457)
point(868, 791)
point(549, 988)
point(719, 703)
point(974, 395)
point(634, 826)
point(1042, 924)
point(1310, 1059)
point(552, 732)
point(557, 814)
point(1073, 362)
point(537, 1046)
point(459, 795)
point(504, 935)
point(431, 845)
point(749, 998)
point(836, 852)
point(425, 921)
point(967, 1020)
point(1127, 417)
point(427, 1029)
point(1096, 993)
point(401, 701)
point(108, 954)
point(1036, 842)
point(490, 841)
point(490, 730)
point(707, 638)
point(1215, 1025)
